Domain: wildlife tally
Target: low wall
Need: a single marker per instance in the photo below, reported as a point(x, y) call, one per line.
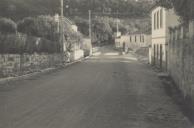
point(15, 64)
point(76, 55)
point(87, 47)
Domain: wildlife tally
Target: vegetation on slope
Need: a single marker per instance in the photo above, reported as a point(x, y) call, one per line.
point(184, 8)
point(17, 9)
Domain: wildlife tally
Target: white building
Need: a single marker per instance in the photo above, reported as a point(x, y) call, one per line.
point(138, 40)
point(135, 41)
point(117, 34)
point(162, 19)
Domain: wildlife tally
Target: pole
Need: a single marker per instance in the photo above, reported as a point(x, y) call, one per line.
point(63, 48)
point(117, 22)
point(90, 26)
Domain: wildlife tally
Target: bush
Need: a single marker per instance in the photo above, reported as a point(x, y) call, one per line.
point(41, 26)
point(83, 25)
point(7, 26)
point(31, 45)
point(20, 44)
point(11, 44)
point(47, 46)
point(183, 8)
point(40, 34)
point(73, 41)
point(46, 28)
point(102, 30)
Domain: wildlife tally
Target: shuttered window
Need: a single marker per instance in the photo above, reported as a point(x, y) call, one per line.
point(161, 18)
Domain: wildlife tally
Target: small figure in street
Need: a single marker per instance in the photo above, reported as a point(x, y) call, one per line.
point(125, 48)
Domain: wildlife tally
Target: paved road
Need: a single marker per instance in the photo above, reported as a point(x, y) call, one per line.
point(105, 91)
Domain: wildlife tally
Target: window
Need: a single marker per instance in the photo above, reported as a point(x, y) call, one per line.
point(140, 38)
point(143, 38)
point(154, 21)
point(135, 38)
point(130, 39)
point(158, 20)
point(161, 18)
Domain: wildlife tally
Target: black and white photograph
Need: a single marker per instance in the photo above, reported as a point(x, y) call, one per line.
point(96, 63)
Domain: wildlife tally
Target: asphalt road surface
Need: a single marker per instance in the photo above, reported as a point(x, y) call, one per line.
point(106, 91)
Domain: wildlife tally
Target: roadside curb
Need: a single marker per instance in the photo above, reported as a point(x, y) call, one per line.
point(47, 70)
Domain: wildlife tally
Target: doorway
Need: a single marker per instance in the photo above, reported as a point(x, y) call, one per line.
point(154, 59)
point(161, 56)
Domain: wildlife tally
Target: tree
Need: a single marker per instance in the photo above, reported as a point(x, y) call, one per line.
point(41, 26)
point(7, 26)
point(102, 31)
point(183, 8)
point(17, 9)
point(83, 25)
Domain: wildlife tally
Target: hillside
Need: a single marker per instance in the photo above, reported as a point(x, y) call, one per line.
point(17, 9)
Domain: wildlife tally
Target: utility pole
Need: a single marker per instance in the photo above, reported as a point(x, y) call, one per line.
point(90, 25)
point(117, 22)
point(63, 47)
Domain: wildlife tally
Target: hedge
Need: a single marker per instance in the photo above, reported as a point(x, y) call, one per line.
point(41, 26)
point(7, 26)
point(19, 44)
point(35, 34)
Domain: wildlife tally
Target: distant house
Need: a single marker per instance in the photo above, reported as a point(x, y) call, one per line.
point(162, 19)
point(135, 41)
point(138, 40)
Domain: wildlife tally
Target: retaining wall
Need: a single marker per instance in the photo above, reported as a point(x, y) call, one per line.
point(15, 64)
point(181, 59)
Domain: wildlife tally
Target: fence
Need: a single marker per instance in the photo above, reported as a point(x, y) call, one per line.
point(181, 57)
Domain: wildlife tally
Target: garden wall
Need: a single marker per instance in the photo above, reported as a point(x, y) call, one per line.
point(15, 64)
point(181, 59)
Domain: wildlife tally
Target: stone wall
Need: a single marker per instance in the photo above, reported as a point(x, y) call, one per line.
point(181, 59)
point(76, 55)
point(15, 64)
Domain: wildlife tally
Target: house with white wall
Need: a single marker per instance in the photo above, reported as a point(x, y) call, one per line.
point(138, 40)
point(135, 41)
point(162, 19)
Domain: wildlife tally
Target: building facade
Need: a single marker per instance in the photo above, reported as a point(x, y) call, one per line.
point(162, 19)
point(134, 41)
point(139, 40)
